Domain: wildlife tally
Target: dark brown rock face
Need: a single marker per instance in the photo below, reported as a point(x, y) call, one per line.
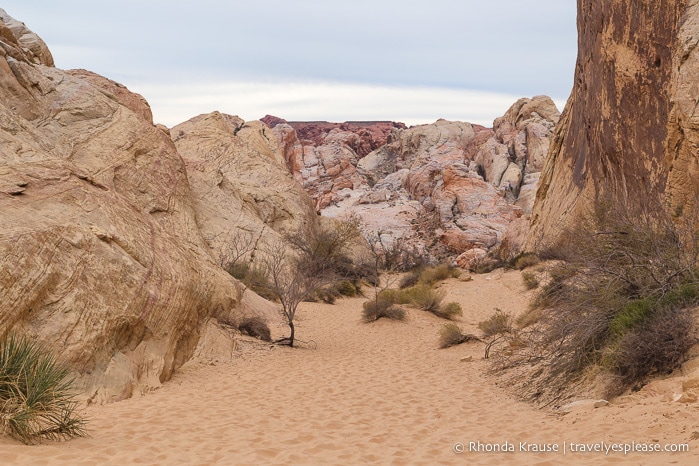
point(628, 134)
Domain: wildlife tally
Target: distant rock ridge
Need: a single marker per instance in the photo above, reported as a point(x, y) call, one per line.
point(449, 188)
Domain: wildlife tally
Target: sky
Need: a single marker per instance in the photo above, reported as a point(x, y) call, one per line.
point(302, 60)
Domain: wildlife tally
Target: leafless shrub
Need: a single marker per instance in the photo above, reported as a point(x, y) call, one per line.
point(617, 301)
point(318, 258)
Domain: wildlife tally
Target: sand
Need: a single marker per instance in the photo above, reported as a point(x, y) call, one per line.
point(379, 393)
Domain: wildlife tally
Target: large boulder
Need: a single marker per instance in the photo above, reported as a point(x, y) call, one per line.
point(239, 182)
point(630, 131)
point(103, 260)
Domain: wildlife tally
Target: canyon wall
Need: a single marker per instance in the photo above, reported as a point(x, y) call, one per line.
point(628, 135)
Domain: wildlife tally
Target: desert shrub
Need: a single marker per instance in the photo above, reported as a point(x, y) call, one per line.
point(311, 260)
point(36, 395)
point(530, 281)
point(253, 277)
point(451, 335)
point(449, 311)
point(499, 323)
point(617, 300)
point(432, 275)
point(255, 327)
point(529, 317)
point(400, 257)
point(655, 347)
point(425, 298)
point(324, 294)
point(410, 279)
point(486, 265)
point(347, 288)
point(376, 309)
point(524, 260)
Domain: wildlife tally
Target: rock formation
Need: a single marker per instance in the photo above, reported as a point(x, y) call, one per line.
point(629, 133)
point(238, 181)
point(103, 257)
point(454, 182)
point(323, 156)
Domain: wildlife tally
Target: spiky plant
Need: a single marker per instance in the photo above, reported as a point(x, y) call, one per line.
point(36, 396)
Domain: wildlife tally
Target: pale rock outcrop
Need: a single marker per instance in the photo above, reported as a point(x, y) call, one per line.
point(103, 262)
point(19, 42)
point(239, 181)
point(461, 183)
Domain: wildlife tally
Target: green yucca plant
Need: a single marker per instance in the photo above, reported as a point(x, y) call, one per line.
point(36, 396)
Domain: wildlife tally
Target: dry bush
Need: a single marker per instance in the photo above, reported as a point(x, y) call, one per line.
point(318, 258)
point(253, 277)
point(396, 256)
point(499, 323)
point(524, 260)
point(530, 281)
point(451, 335)
point(432, 275)
point(410, 279)
point(529, 317)
point(655, 347)
point(617, 300)
point(376, 309)
point(255, 327)
point(449, 311)
point(425, 298)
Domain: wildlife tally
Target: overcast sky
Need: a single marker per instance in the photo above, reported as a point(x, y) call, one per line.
point(400, 60)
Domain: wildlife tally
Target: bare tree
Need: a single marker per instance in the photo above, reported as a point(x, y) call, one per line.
point(312, 258)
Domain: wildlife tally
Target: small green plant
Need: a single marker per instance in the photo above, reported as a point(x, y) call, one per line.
point(451, 335)
point(376, 309)
point(36, 395)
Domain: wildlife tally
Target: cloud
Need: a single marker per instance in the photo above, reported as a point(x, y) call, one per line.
point(303, 101)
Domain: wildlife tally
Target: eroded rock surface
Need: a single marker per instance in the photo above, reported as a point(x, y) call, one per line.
point(446, 188)
point(629, 133)
point(103, 261)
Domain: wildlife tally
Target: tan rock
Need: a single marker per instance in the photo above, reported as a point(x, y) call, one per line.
point(103, 260)
point(239, 182)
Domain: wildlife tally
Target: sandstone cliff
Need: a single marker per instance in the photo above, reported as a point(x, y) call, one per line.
point(103, 259)
point(629, 134)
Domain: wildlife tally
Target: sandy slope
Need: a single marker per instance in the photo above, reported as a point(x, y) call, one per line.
point(379, 393)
